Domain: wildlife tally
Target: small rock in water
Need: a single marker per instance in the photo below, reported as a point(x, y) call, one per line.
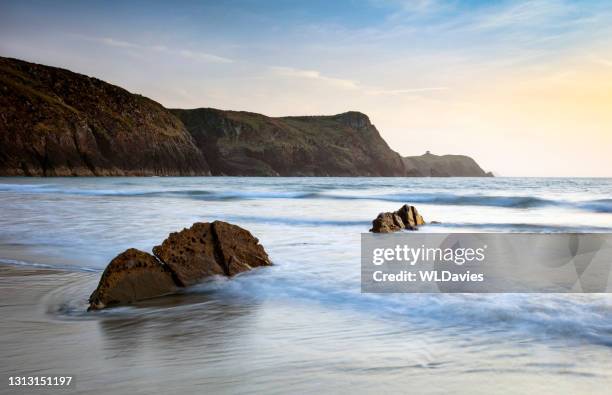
point(386, 223)
point(183, 259)
point(407, 217)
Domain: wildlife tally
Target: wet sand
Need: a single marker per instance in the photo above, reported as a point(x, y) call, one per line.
point(302, 325)
point(200, 341)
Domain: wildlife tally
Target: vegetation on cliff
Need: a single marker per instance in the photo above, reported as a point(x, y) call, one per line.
point(58, 123)
point(430, 165)
point(248, 144)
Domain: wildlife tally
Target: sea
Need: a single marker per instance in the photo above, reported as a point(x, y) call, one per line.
point(302, 325)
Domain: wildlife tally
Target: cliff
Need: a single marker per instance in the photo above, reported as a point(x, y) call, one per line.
point(429, 165)
point(248, 144)
point(58, 123)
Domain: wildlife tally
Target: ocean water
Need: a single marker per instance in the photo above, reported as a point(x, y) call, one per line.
point(301, 325)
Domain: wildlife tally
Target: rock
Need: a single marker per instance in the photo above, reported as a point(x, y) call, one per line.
point(407, 217)
point(132, 275)
point(238, 143)
point(58, 123)
point(191, 254)
point(184, 258)
point(239, 249)
point(386, 223)
point(410, 217)
point(430, 165)
point(208, 249)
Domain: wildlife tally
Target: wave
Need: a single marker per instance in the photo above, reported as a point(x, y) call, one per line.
point(524, 227)
point(598, 206)
point(486, 226)
point(443, 198)
point(470, 200)
point(191, 193)
point(520, 202)
point(561, 315)
point(68, 268)
point(579, 317)
point(297, 221)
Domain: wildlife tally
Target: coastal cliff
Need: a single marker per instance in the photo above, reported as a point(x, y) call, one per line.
point(58, 123)
point(248, 144)
point(430, 165)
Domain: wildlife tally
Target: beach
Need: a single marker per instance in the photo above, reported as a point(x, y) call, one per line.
point(302, 323)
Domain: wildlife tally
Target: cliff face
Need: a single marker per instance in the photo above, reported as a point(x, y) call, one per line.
point(248, 144)
point(429, 165)
point(54, 122)
point(58, 123)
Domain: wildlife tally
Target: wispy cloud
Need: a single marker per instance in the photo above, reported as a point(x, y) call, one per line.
point(203, 56)
point(314, 75)
point(524, 13)
point(347, 84)
point(601, 61)
point(185, 53)
point(405, 91)
point(411, 8)
point(116, 43)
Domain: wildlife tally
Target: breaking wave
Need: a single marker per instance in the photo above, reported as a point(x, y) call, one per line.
point(442, 198)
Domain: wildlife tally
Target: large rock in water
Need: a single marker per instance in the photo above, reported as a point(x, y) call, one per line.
point(133, 275)
point(207, 249)
point(407, 217)
point(183, 259)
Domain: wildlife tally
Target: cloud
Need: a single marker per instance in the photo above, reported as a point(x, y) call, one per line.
point(116, 43)
point(203, 56)
point(185, 53)
point(405, 91)
point(314, 75)
point(347, 84)
point(537, 13)
point(411, 8)
point(601, 61)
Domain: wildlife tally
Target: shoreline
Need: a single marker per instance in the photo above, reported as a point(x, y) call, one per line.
point(46, 331)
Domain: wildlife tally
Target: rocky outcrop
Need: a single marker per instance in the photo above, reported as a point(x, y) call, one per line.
point(407, 217)
point(208, 249)
point(238, 250)
point(247, 144)
point(133, 275)
point(183, 259)
point(58, 123)
point(430, 165)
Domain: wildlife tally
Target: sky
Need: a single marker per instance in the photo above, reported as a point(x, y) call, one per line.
point(524, 87)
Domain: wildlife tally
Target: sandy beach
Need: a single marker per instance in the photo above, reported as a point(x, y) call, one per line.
point(281, 326)
point(185, 342)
